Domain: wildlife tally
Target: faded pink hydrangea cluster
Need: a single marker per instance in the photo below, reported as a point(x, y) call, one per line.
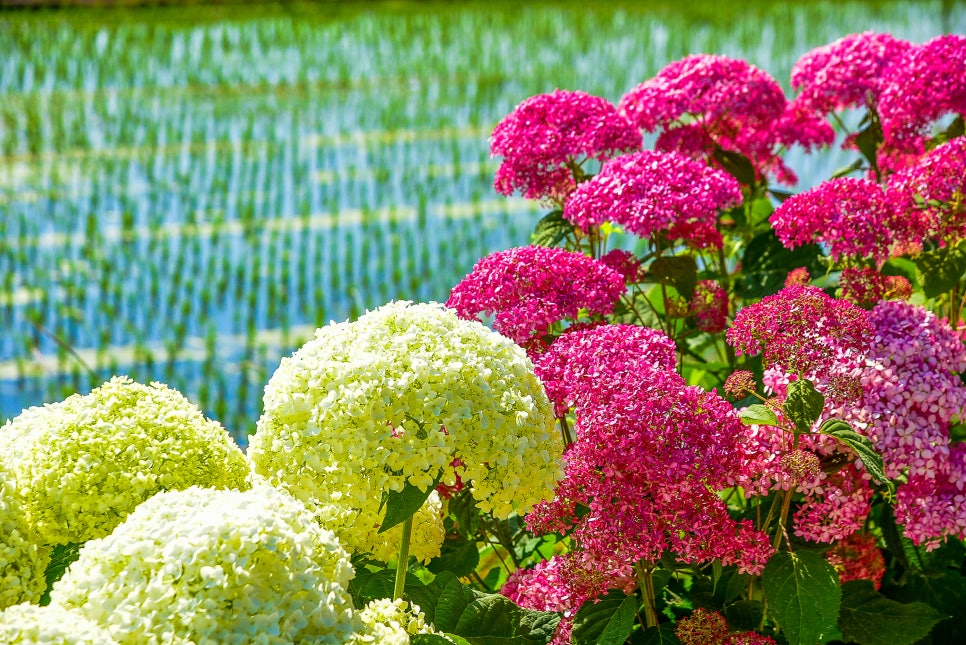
point(857, 557)
point(709, 306)
point(935, 188)
point(704, 627)
point(924, 84)
point(530, 288)
point(846, 73)
point(866, 287)
point(571, 367)
point(704, 103)
point(800, 329)
point(651, 193)
point(854, 218)
point(546, 133)
point(650, 454)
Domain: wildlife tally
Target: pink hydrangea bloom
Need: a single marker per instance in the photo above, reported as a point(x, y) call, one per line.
point(846, 73)
point(571, 367)
point(920, 87)
point(704, 103)
point(933, 508)
point(799, 329)
point(650, 454)
point(651, 193)
point(702, 627)
point(865, 287)
point(939, 180)
point(625, 263)
point(853, 217)
point(857, 558)
point(547, 132)
point(750, 638)
point(836, 504)
point(546, 587)
point(529, 288)
point(709, 306)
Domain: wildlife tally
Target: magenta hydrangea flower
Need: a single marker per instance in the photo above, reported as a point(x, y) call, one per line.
point(846, 73)
point(921, 86)
point(650, 193)
point(709, 306)
point(547, 132)
point(853, 217)
point(800, 329)
point(529, 288)
point(572, 365)
point(933, 508)
point(865, 287)
point(704, 103)
point(857, 557)
point(625, 263)
point(650, 454)
point(935, 189)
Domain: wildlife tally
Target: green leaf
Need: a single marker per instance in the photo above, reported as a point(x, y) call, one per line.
point(662, 634)
point(61, 557)
point(679, 271)
point(608, 621)
point(745, 614)
point(458, 556)
point(869, 618)
point(803, 595)
point(868, 141)
point(945, 593)
point(456, 640)
point(463, 508)
point(758, 414)
point(435, 639)
point(859, 444)
point(737, 165)
point(552, 229)
point(848, 170)
point(766, 263)
point(939, 270)
point(402, 505)
point(803, 405)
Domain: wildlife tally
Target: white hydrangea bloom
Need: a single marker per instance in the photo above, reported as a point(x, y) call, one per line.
point(213, 566)
point(390, 622)
point(396, 397)
point(29, 624)
point(22, 562)
point(83, 464)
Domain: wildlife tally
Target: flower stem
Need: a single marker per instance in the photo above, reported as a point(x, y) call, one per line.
point(646, 584)
point(402, 564)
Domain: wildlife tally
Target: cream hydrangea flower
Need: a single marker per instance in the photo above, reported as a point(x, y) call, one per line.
point(22, 563)
point(82, 464)
point(215, 566)
point(396, 397)
point(390, 622)
point(28, 624)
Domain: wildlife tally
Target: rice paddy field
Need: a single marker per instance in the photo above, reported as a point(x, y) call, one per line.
point(186, 193)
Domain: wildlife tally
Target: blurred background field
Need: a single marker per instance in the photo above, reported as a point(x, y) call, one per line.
point(187, 192)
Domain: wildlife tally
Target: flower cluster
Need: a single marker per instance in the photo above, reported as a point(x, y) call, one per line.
point(649, 456)
point(705, 104)
point(22, 562)
point(82, 464)
point(934, 188)
point(529, 288)
point(549, 135)
point(846, 73)
point(924, 84)
point(576, 362)
point(30, 624)
point(703, 627)
point(857, 558)
point(800, 329)
point(205, 565)
point(854, 218)
point(390, 622)
point(709, 306)
point(394, 398)
point(866, 287)
point(650, 193)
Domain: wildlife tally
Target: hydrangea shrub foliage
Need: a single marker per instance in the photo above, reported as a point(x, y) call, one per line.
point(705, 408)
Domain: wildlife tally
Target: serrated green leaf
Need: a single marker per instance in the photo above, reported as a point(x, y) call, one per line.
point(679, 271)
point(758, 414)
point(458, 556)
point(803, 594)
point(457, 640)
point(803, 405)
point(766, 263)
point(744, 614)
point(435, 639)
point(608, 621)
point(868, 141)
point(552, 229)
point(402, 505)
point(947, 594)
point(61, 557)
point(662, 634)
point(736, 164)
point(859, 444)
point(869, 618)
point(939, 270)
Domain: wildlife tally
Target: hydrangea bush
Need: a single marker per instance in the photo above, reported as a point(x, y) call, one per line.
point(708, 411)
